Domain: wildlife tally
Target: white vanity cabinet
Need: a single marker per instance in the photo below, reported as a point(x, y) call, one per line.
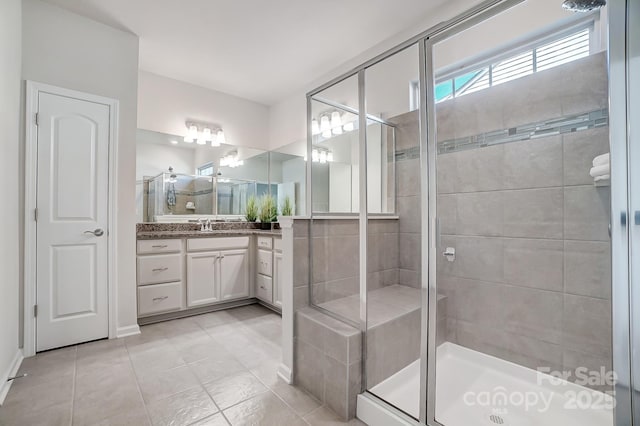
point(188, 273)
point(160, 276)
point(269, 264)
point(217, 270)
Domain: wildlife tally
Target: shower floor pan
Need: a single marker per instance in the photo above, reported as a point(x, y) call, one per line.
point(478, 389)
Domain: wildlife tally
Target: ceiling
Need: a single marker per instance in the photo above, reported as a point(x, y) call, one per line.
point(255, 49)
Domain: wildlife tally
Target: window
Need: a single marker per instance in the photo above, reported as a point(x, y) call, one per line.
point(545, 55)
point(205, 170)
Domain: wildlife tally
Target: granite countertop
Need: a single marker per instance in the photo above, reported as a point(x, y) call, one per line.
point(154, 235)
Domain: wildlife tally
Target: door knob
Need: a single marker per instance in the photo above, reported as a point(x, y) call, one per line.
point(97, 232)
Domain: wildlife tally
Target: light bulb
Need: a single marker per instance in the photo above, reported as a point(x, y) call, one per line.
point(187, 139)
point(326, 134)
point(220, 138)
point(324, 124)
point(206, 134)
point(315, 156)
point(337, 130)
point(315, 127)
point(348, 127)
point(323, 157)
point(329, 156)
point(201, 139)
point(336, 121)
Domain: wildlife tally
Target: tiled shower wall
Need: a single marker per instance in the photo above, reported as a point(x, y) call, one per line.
point(336, 257)
point(531, 280)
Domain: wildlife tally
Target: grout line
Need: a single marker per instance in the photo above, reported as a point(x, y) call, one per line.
point(135, 377)
point(73, 389)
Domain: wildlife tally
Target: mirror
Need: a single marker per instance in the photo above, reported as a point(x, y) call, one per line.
point(204, 181)
point(288, 170)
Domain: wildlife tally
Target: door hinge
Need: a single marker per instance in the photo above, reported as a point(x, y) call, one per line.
point(37, 119)
point(35, 311)
point(35, 214)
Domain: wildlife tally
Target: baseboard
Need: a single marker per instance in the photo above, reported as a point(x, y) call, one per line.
point(285, 374)
point(11, 372)
point(130, 330)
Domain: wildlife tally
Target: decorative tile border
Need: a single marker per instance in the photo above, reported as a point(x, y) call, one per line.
point(557, 126)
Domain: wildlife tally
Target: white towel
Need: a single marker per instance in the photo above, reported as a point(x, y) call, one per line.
point(599, 170)
point(601, 160)
point(602, 177)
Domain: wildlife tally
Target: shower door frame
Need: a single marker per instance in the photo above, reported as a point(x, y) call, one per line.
point(619, 140)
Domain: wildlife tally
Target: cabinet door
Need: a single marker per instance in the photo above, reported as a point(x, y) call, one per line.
point(234, 273)
point(203, 286)
point(277, 279)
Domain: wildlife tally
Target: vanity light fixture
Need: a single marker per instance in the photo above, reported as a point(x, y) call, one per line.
point(192, 133)
point(315, 127)
point(231, 160)
point(205, 136)
point(203, 133)
point(219, 139)
point(322, 156)
point(336, 121)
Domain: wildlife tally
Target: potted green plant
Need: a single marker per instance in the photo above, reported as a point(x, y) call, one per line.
point(251, 210)
point(287, 207)
point(268, 211)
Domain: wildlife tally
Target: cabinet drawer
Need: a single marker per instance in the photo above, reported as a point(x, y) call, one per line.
point(265, 243)
point(265, 266)
point(159, 246)
point(264, 288)
point(207, 244)
point(153, 299)
point(277, 244)
point(159, 269)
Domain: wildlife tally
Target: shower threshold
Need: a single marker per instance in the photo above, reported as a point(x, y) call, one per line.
point(478, 389)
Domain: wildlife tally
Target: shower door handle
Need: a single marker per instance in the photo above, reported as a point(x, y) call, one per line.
point(97, 232)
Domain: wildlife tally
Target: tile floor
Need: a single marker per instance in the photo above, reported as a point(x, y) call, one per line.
point(212, 369)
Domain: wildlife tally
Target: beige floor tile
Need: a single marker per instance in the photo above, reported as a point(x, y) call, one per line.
point(157, 358)
point(235, 388)
point(35, 395)
point(106, 402)
point(55, 415)
point(216, 367)
point(157, 385)
point(111, 377)
point(300, 401)
point(215, 420)
point(267, 372)
point(183, 408)
point(136, 417)
point(265, 409)
point(325, 417)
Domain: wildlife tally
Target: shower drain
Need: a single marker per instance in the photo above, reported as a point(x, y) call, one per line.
point(497, 420)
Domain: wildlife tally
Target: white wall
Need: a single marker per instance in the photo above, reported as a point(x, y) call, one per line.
point(67, 50)
point(153, 159)
point(164, 105)
point(10, 47)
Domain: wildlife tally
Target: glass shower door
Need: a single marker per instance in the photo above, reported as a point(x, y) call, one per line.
point(521, 255)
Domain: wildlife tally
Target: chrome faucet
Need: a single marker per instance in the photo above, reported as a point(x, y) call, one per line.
point(208, 227)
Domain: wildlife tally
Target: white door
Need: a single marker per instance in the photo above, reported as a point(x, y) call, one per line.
point(277, 278)
point(202, 280)
point(72, 216)
point(234, 274)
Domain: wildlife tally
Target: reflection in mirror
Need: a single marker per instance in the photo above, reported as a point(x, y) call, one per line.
point(334, 159)
point(204, 181)
point(288, 176)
